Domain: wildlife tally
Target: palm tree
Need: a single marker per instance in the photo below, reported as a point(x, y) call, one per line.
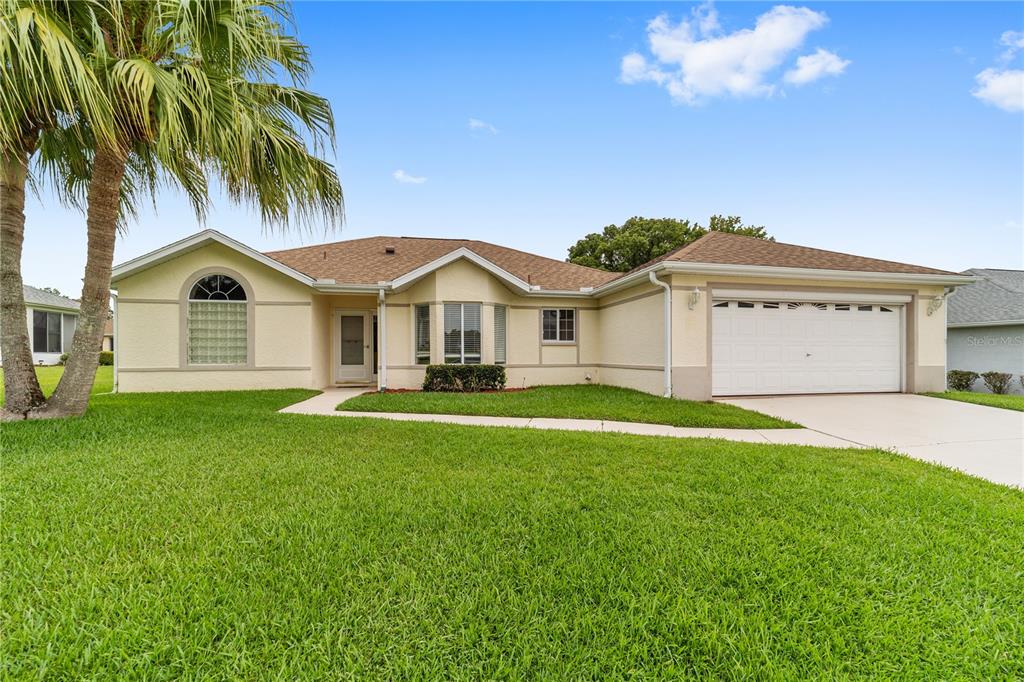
point(44, 80)
point(193, 95)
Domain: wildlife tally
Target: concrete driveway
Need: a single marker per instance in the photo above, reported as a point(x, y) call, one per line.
point(987, 442)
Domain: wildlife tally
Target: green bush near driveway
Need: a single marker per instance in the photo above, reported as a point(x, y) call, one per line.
point(202, 535)
point(609, 403)
point(1007, 402)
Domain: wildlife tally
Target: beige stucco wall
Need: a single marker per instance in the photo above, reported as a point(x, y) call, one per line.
point(150, 335)
point(619, 337)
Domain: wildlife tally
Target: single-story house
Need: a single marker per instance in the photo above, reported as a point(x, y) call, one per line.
point(724, 315)
point(51, 324)
point(986, 325)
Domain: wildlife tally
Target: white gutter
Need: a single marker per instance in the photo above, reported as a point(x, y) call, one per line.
point(114, 339)
point(779, 272)
point(668, 332)
point(382, 326)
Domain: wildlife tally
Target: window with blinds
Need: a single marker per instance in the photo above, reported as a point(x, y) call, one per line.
point(423, 335)
point(500, 317)
point(218, 325)
point(462, 333)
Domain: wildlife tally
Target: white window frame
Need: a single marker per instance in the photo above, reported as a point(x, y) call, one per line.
point(462, 333)
point(558, 340)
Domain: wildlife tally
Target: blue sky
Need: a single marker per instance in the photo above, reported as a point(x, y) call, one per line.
point(882, 141)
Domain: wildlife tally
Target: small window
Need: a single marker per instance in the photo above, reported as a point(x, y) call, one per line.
point(218, 325)
point(745, 304)
point(423, 335)
point(558, 325)
point(883, 309)
point(500, 324)
point(770, 306)
point(721, 304)
point(46, 332)
point(792, 306)
point(842, 306)
point(864, 308)
point(820, 306)
point(462, 333)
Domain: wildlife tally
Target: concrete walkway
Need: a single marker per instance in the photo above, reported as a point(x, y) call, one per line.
point(326, 402)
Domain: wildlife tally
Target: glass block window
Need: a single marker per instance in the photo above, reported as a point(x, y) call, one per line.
point(423, 335)
point(462, 333)
point(500, 323)
point(558, 325)
point(218, 325)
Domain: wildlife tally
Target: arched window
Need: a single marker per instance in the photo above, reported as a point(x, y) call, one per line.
point(218, 324)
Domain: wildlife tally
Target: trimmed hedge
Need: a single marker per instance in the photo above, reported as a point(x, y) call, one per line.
point(997, 382)
point(464, 378)
point(960, 379)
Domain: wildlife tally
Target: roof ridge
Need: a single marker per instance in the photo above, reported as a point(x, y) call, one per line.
point(537, 255)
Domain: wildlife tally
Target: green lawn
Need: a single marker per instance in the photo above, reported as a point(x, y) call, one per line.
point(205, 536)
point(1007, 402)
point(49, 376)
point(571, 402)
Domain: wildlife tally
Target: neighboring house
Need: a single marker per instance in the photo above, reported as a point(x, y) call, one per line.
point(986, 325)
point(725, 315)
point(51, 324)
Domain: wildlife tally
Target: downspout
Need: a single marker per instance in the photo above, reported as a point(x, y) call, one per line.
point(382, 325)
point(114, 338)
point(668, 332)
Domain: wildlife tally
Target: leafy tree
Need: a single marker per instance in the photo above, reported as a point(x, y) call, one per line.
point(620, 248)
point(51, 290)
point(192, 91)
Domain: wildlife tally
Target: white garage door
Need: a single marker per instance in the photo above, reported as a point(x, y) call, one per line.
point(776, 347)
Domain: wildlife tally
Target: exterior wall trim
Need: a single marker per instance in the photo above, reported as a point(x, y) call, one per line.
point(215, 368)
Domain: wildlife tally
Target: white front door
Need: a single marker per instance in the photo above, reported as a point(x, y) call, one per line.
point(775, 347)
point(353, 356)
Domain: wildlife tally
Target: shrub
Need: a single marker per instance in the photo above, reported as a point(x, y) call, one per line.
point(63, 359)
point(960, 379)
point(106, 357)
point(997, 382)
point(464, 378)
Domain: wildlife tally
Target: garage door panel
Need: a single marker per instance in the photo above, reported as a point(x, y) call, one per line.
point(804, 348)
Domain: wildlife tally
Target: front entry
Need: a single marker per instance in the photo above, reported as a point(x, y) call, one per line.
point(353, 359)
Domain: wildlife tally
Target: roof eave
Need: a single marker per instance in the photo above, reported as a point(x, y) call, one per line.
point(775, 272)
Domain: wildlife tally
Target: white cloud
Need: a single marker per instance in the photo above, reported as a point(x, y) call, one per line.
point(694, 62)
point(477, 124)
point(407, 179)
point(811, 67)
point(1003, 88)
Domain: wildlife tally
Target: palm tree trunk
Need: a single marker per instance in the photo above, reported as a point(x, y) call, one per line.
point(21, 387)
point(72, 395)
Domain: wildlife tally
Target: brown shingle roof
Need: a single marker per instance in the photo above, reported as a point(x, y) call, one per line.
point(365, 261)
point(735, 249)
